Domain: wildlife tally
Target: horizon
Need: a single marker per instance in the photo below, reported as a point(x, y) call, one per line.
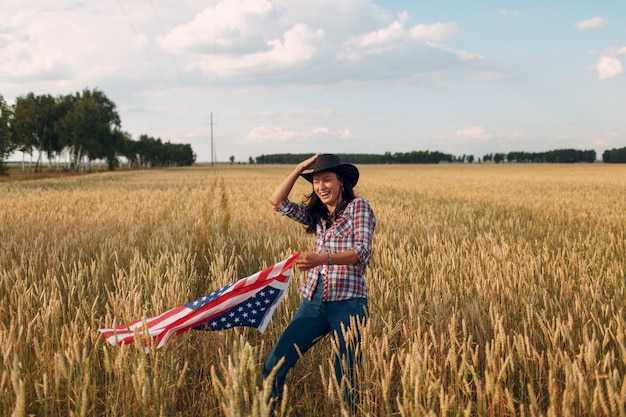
point(477, 159)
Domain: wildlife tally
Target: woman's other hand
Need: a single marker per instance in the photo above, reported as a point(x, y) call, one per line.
point(308, 260)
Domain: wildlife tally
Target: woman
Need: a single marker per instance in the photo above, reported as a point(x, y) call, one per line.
point(334, 290)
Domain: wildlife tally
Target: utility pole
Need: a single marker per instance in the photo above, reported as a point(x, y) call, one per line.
point(212, 146)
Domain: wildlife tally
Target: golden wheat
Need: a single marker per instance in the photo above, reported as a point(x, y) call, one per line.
point(495, 290)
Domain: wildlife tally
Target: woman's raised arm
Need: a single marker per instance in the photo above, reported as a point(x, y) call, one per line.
point(282, 191)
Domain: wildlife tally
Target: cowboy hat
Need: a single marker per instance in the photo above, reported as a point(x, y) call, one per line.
point(332, 163)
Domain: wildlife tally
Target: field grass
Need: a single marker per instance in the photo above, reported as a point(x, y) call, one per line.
point(495, 290)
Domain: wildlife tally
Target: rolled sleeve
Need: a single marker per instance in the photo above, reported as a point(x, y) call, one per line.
point(364, 224)
point(292, 210)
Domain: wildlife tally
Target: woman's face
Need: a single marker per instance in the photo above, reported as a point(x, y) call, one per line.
point(327, 187)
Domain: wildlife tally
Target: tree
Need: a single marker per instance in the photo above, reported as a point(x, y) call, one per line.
point(114, 148)
point(128, 149)
point(180, 154)
point(105, 126)
point(90, 129)
point(47, 138)
point(614, 156)
point(72, 128)
point(24, 126)
point(84, 125)
point(34, 118)
point(232, 159)
point(148, 150)
point(6, 142)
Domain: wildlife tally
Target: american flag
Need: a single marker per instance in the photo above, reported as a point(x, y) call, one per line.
point(251, 301)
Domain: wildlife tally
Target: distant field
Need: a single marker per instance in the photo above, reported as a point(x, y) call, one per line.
point(16, 173)
point(496, 290)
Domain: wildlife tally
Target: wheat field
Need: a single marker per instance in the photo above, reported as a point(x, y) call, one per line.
point(495, 290)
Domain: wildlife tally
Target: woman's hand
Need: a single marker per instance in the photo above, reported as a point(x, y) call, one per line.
point(308, 164)
point(282, 191)
point(308, 260)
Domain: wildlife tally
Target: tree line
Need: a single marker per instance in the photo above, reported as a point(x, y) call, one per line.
point(81, 127)
point(428, 157)
point(614, 156)
point(554, 156)
point(415, 157)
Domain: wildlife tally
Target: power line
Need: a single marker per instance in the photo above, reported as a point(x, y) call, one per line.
point(156, 67)
point(174, 63)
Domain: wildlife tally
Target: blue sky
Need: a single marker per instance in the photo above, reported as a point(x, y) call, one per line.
point(340, 76)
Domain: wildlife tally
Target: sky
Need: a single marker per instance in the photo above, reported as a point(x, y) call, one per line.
point(333, 76)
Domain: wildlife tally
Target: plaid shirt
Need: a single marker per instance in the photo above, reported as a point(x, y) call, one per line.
point(354, 229)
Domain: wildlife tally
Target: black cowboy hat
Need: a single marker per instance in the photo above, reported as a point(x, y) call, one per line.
point(332, 163)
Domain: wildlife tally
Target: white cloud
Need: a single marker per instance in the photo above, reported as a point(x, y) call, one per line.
point(324, 131)
point(473, 132)
point(616, 51)
point(321, 131)
point(509, 12)
point(344, 134)
point(309, 43)
point(392, 33)
point(232, 26)
point(265, 134)
point(272, 134)
point(387, 38)
point(608, 67)
point(298, 45)
point(436, 32)
point(460, 55)
point(66, 48)
point(491, 75)
point(594, 22)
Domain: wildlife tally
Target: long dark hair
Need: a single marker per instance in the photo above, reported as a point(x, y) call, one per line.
point(317, 211)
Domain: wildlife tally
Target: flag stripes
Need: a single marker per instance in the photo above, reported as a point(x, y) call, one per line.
point(251, 301)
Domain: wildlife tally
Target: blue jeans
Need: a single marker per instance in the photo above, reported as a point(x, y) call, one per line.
point(313, 320)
